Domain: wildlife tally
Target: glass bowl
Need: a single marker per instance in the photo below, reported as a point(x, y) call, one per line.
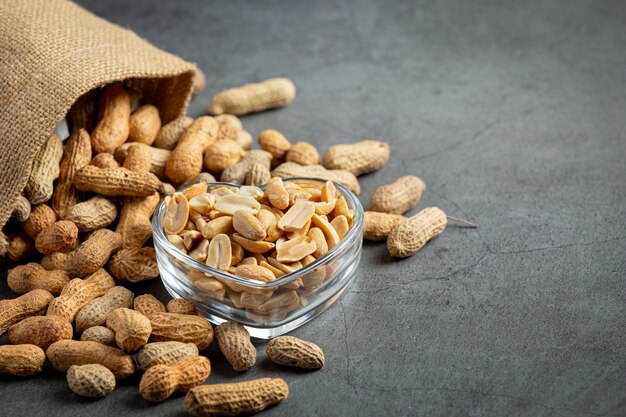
point(217, 294)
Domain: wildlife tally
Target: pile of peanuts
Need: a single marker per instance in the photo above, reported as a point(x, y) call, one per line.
point(84, 221)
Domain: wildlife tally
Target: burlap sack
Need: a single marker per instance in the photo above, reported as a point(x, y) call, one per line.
point(51, 53)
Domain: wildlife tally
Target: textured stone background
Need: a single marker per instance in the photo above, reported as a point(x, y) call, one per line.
point(514, 115)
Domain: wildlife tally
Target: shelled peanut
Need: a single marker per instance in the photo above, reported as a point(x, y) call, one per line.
point(259, 236)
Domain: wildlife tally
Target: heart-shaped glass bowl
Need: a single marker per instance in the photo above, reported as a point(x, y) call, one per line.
point(296, 297)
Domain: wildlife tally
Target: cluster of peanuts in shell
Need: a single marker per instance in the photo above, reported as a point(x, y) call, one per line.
point(84, 221)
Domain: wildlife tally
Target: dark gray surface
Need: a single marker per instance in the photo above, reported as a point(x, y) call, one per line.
point(514, 115)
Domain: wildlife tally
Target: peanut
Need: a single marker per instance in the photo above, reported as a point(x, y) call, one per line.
point(181, 306)
point(251, 98)
point(230, 204)
point(291, 351)
point(21, 209)
point(294, 249)
point(65, 353)
point(176, 214)
point(233, 399)
point(20, 247)
point(96, 311)
point(132, 329)
point(164, 353)
point(148, 305)
point(321, 246)
point(158, 159)
point(92, 380)
point(358, 158)
point(160, 381)
point(185, 161)
point(77, 155)
point(94, 252)
point(258, 175)
point(248, 226)
point(237, 173)
point(398, 197)
point(229, 119)
point(222, 154)
point(93, 214)
point(234, 342)
point(21, 360)
point(341, 225)
point(25, 278)
point(62, 236)
point(134, 265)
point(203, 177)
point(40, 217)
point(275, 143)
point(104, 160)
point(303, 153)
point(44, 171)
point(408, 237)
point(244, 139)
point(40, 331)
point(377, 226)
point(144, 124)
point(134, 225)
point(99, 334)
point(60, 261)
point(77, 293)
point(138, 157)
point(168, 134)
point(297, 216)
point(277, 194)
point(33, 303)
point(181, 328)
point(116, 181)
point(113, 127)
point(342, 177)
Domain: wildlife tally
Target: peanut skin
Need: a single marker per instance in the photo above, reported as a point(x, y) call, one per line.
point(94, 253)
point(25, 278)
point(358, 158)
point(41, 331)
point(398, 197)
point(377, 226)
point(160, 381)
point(116, 181)
point(44, 171)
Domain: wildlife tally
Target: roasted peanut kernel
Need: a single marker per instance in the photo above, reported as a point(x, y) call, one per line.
point(302, 232)
point(340, 223)
point(237, 253)
point(212, 287)
point(178, 242)
point(255, 272)
point(277, 272)
point(294, 249)
point(248, 226)
point(296, 217)
point(219, 253)
point(277, 194)
point(325, 208)
point(253, 246)
point(230, 204)
point(328, 192)
point(202, 203)
point(250, 191)
point(195, 190)
point(190, 238)
point(286, 268)
point(248, 261)
point(217, 226)
point(254, 300)
point(176, 214)
point(199, 253)
point(321, 246)
point(341, 209)
point(332, 237)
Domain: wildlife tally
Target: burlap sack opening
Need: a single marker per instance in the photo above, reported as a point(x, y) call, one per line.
point(52, 52)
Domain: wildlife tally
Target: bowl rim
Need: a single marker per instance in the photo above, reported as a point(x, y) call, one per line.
point(356, 232)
